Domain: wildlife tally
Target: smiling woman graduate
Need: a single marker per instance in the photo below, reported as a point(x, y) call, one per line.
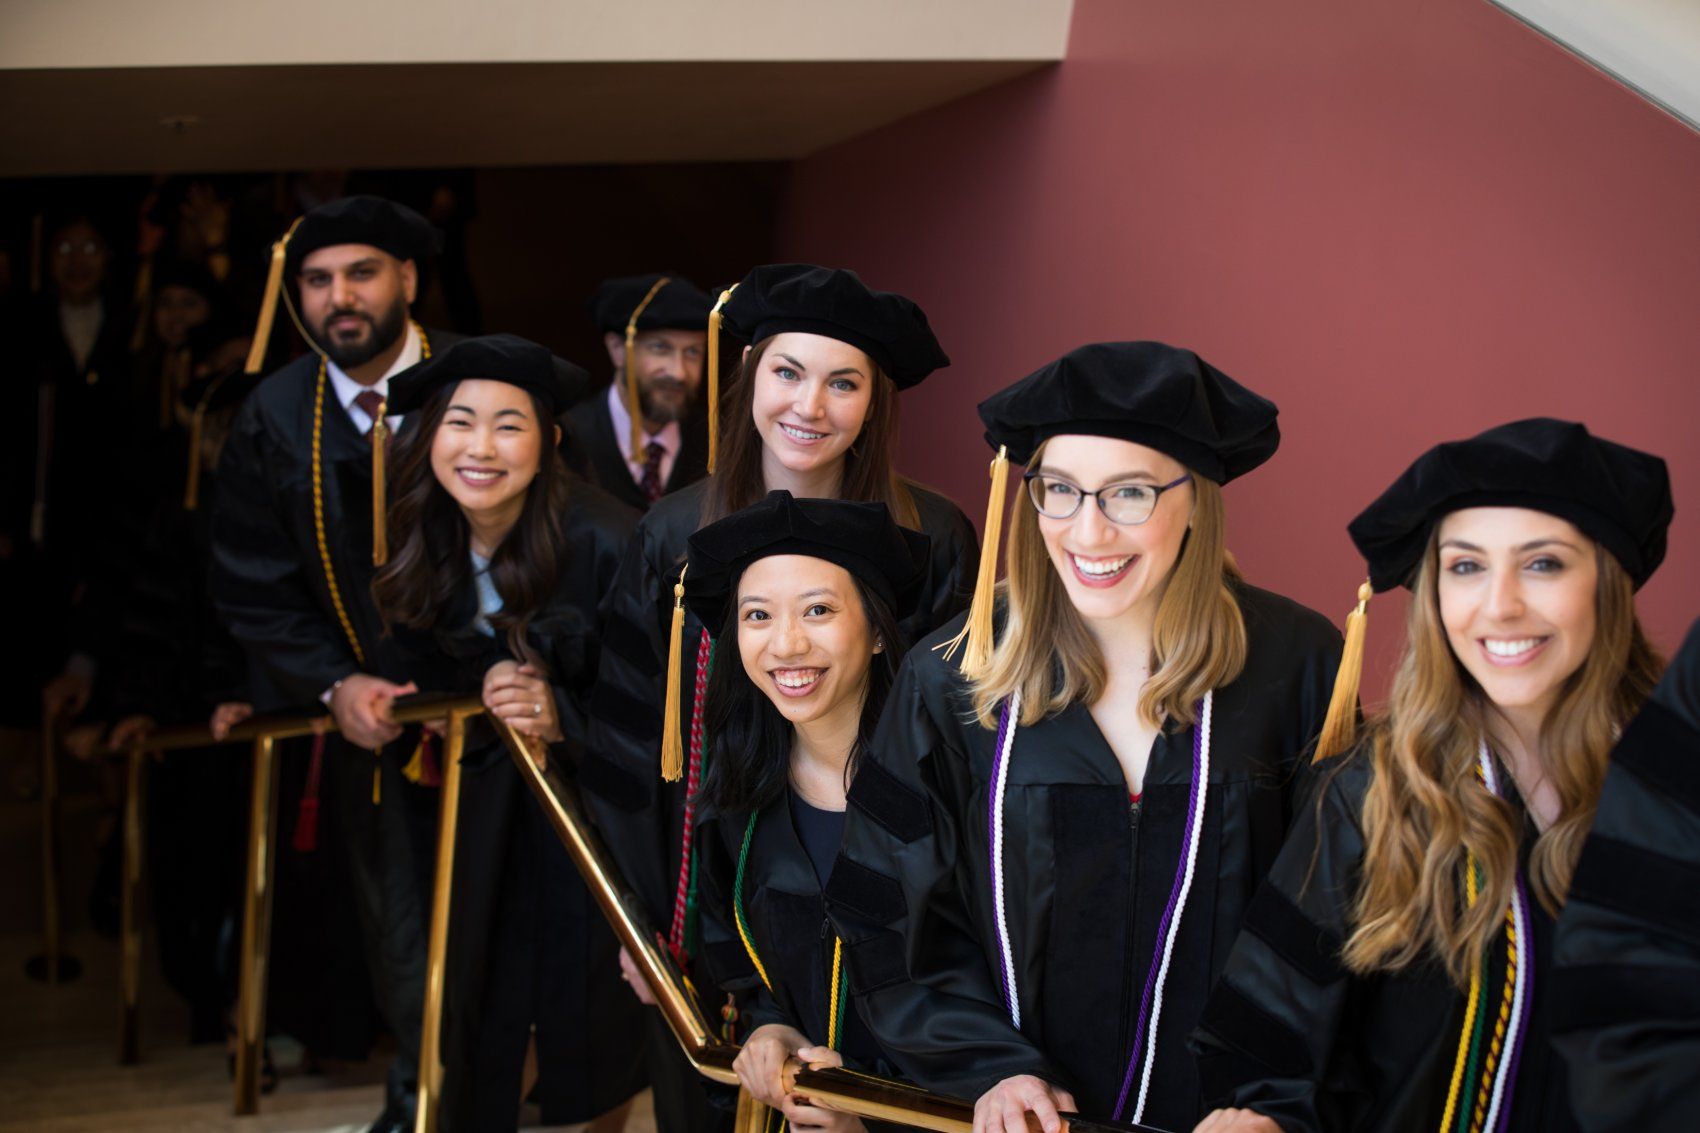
point(1054, 835)
point(812, 410)
point(501, 557)
point(1394, 973)
point(806, 596)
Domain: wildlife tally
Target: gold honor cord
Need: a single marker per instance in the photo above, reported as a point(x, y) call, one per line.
point(319, 497)
point(632, 399)
point(839, 987)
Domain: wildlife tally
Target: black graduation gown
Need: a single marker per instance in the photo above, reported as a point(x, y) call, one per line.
point(786, 915)
point(1626, 1015)
point(527, 944)
point(641, 817)
point(1290, 1033)
point(268, 580)
point(270, 589)
point(174, 662)
point(593, 436)
point(1087, 874)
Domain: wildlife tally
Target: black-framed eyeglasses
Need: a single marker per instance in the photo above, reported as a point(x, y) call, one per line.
point(1128, 504)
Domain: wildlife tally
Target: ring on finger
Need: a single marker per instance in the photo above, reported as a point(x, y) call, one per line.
point(537, 708)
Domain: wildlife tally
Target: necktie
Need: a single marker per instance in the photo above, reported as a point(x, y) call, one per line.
point(371, 403)
point(651, 481)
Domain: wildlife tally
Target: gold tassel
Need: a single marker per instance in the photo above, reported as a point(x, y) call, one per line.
point(672, 745)
point(142, 300)
point(1340, 726)
point(380, 515)
point(268, 303)
point(632, 400)
point(714, 375)
point(978, 632)
point(37, 240)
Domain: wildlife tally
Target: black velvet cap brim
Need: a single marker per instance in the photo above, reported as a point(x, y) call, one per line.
point(498, 358)
point(1613, 494)
point(860, 537)
point(390, 227)
point(1149, 393)
point(889, 328)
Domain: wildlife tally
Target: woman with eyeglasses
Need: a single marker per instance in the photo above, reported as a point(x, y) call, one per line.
point(1054, 836)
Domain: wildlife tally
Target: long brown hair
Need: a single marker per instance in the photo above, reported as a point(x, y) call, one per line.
point(1198, 642)
point(431, 565)
point(869, 471)
point(1425, 810)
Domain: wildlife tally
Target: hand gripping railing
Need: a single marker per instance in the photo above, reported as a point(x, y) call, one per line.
point(849, 1092)
point(863, 1095)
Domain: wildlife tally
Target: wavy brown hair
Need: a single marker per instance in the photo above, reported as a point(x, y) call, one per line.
point(1197, 643)
point(870, 473)
point(431, 567)
point(1426, 810)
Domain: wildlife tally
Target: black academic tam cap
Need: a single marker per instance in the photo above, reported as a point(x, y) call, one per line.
point(497, 358)
point(1149, 393)
point(860, 537)
point(384, 224)
point(678, 304)
point(890, 328)
point(1615, 495)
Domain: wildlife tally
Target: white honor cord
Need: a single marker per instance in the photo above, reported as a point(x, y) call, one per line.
point(1503, 1072)
point(998, 910)
point(1201, 788)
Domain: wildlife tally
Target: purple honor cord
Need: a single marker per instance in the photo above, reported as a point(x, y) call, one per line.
point(1151, 999)
point(1183, 874)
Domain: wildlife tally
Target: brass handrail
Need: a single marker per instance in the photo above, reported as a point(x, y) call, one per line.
point(860, 1094)
point(264, 732)
point(850, 1092)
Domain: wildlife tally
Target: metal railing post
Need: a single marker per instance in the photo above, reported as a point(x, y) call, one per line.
point(256, 927)
point(130, 954)
point(430, 1043)
point(53, 966)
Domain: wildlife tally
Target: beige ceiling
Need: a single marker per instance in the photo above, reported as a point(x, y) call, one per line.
point(184, 119)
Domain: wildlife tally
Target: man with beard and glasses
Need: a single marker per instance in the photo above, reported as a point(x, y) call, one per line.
point(655, 328)
point(293, 559)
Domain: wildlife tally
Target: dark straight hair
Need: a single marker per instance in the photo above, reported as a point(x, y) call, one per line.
point(869, 471)
point(432, 564)
point(749, 743)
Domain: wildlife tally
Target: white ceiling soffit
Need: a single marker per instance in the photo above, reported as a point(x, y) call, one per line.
point(1650, 46)
point(457, 115)
point(219, 33)
point(176, 86)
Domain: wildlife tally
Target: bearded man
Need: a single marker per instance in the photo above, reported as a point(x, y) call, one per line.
point(293, 539)
point(664, 321)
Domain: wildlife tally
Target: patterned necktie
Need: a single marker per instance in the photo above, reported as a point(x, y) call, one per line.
point(371, 403)
point(651, 482)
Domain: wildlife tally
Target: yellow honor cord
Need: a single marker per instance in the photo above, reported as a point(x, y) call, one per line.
point(1340, 725)
point(633, 402)
point(319, 519)
point(1470, 1008)
point(714, 320)
point(672, 745)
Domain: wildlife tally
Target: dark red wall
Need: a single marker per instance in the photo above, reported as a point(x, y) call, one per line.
point(1402, 222)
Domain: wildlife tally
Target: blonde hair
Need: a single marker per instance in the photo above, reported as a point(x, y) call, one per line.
point(1197, 643)
point(1426, 810)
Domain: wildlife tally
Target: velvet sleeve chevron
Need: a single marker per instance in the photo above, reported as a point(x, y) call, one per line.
point(918, 971)
point(1626, 1012)
point(1267, 1037)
